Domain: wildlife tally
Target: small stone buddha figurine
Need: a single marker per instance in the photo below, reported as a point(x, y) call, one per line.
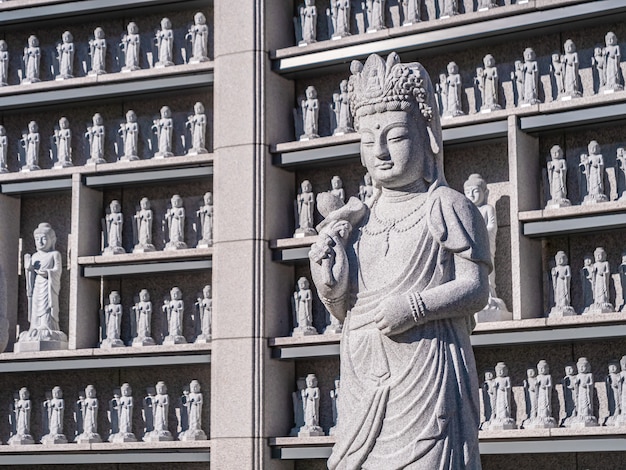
point(334, 395)
point(621, 163)
point(4, 63)
point(571, 76)
point(174, 223)
point(95, 136)
point(366, 190)
point(113, 224)
point(32, 60)
point(557, 179)
point(130, 45)
point(411, 11)
point(451, 93)
point(336, 188)
point(53, 411)
point(112, 324)
point(489, 398)
point(449, 8)
point(174, 308)
point(621, 419)
point(601, 278)
point(544, 397)
point(561, 275)
point(311, 409)
point(557, 68)
point(339, 13)
point(612, 58)
point(375, 15)
point(592, 167)
point(87, 416)
point(308, 22)
point(621, 271)
point(199, 36)
point(196, 123)
point(484, 5)
point(530, 391)
point(298, 410)
point(142, 324)
point(156, 409)
point(305, 208)
point(63, 141)
point(163, 128)
point(310, 107)
point(4, 149)
point(129, 132)
point(530, 83)
point(303, 309)
point(569, 395)
point(584, 387)
point(586, 280)
point(20, 432)
point(488, 83)
point(30, 143)
point(43, 282)
point(65, 56)
point(142, 232)
point(98, 51)
point(122, 408)
point(613, 390)
point(164, 40)
point(476, 191)
point(341, 108)
point(205, 217)
point(204, 307)
point(599, 62)
point(502, 384)
point(192, 405)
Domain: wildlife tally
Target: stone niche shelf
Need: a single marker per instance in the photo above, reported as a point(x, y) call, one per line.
point(514, 441)
point(110, 174)
point(291, 250)
point(107, 453)
point(97, 358)
point(574, 219)
point(192, 259)
point(506, 333)
point(26, 11)
point(437, 36)
point(115, 85)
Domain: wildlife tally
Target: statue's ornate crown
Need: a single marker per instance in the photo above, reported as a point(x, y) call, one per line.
point(382, 86)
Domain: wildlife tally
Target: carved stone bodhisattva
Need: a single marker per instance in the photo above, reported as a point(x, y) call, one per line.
point(557, 179)
point(164, 40)
point(561, 275)
point(205, 218)
point(174, 224)
point(30, 143)
point(311, 409)
point(113, 224)
point(305, 208)
point(142, 311)
point(130, 45)
point(192, 407)
point(204, 307)
point(87, 417)
point(339, 14)
point(303, 310)
point(129, 132)
point(592, 168)
point(98, 52)
point(142, 227)
point(32, 61)
point(112, 324)
point(53, 411)
point(65, 56)
point(20, 420)
point(199, 36)
point(174, 310)
point(95, 135)
point(63, 141)
point(164, 128)
point(156, 411)
point(121, 407)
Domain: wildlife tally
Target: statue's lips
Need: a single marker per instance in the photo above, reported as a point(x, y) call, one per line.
point(384, 166)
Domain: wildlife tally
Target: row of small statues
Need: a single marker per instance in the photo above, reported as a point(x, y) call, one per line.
point(595, 278)
point(475, 189)
point(578, 389)
point(198, 35)
point(173, 310)
point(339, 18)
point(128, 131)
point(592, 170)
point(172, 226)
point(155, 414)
point(564, 70)
point(306, 408)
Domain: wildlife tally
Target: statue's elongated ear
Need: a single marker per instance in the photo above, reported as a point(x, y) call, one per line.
point(435, 144)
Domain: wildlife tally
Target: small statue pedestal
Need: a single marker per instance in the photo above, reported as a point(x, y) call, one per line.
point(33, 342)
point(304, 232)
point(88, 438)
point(51, 439)
point(583, 422)
point(196, 151)
point(619, 420)
point(494, 311)
point(144, 248)
point(129, 158)
point(599, 308)
point(63, 164)
point(145, 341)
point(310, 431)
point(21, 440)
point(114, 250)
point(192, 435)
point(171, 246)
point(174, 339)
point(333, 430)
point(203, 339)
point(205, 244)
point(594, 199)
point(558, 312)
point(163, 155)
point(557, 203)
point(333, 329)
point(29, 168)
point(158, 436)
point(539, 423)
point(502, 424)
point(108, 343)
point(122, 437)
point(95, 161)
point(304, 331)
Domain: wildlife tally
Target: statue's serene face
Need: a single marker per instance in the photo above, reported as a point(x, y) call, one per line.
point(612, 368)
point(56, 393)
point(126, 391)
point(543, 369)
point(42, 242)
point(475, 194)
point(599, 255)
point(144, 296)
point(561, 260)
point(531, 373)
point(569, 370)
point(393, 148)
point(488, 375)
point(583, 367)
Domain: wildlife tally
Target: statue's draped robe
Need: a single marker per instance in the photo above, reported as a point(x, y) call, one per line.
point(411, 400)
point(45, 301)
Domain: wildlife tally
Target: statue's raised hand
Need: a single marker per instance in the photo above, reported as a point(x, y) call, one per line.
point(329, 266)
